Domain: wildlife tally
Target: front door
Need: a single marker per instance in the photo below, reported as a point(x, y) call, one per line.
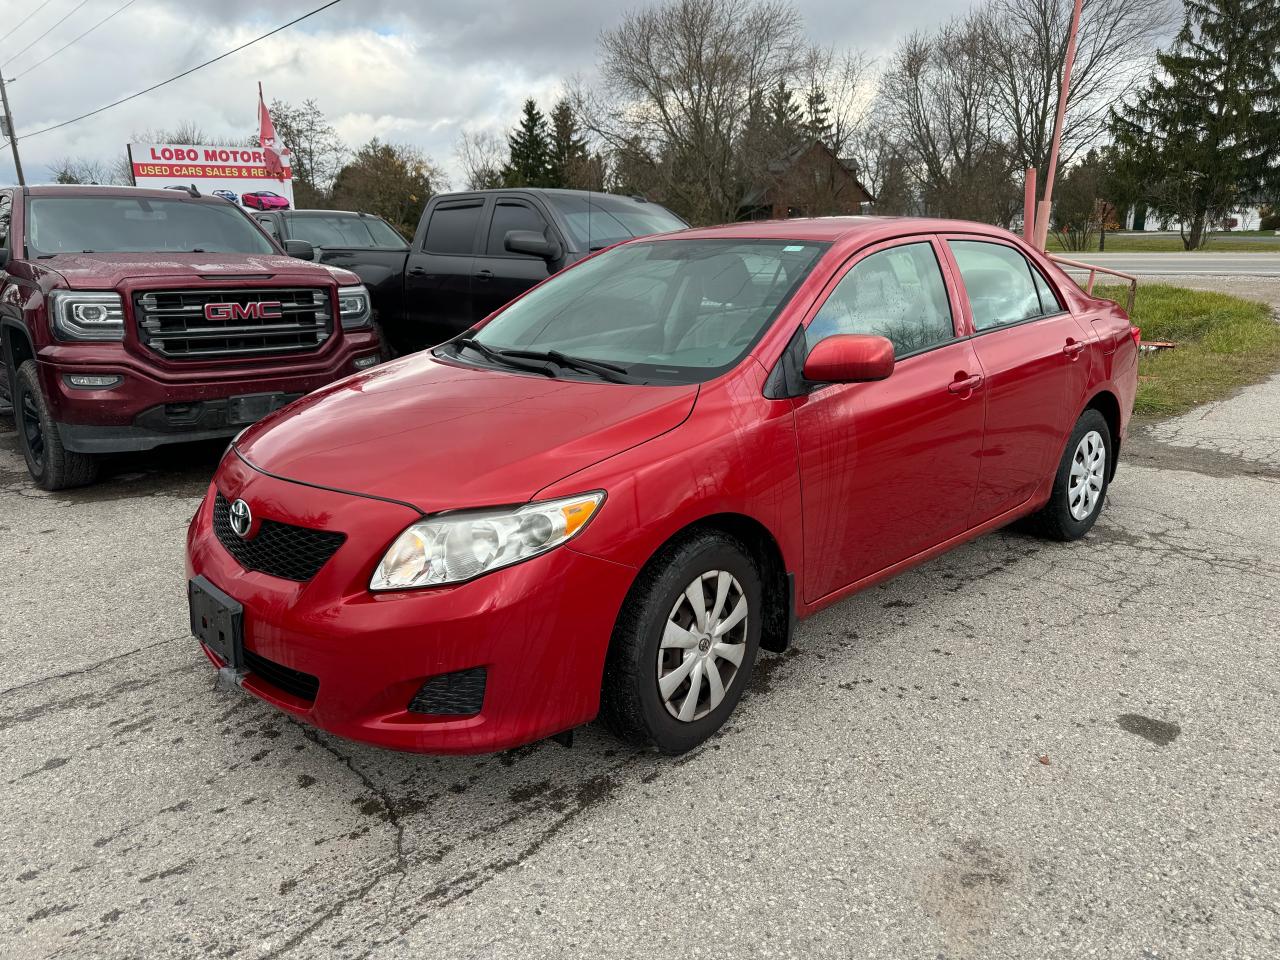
point(437, 281)
point(888, 469)
point(1035, 363)
point(500, 275)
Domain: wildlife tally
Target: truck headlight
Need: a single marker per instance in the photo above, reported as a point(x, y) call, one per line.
point(79, 315)
point(460, 546)
point(354, 307)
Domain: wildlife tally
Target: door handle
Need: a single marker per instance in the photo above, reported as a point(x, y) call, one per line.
point(1073, 348)
point(966, 385)
point(418, 271)
point(484, 274)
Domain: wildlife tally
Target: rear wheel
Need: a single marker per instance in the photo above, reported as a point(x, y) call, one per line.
point(1080, 485)
point(684, 644)
point(52, 466)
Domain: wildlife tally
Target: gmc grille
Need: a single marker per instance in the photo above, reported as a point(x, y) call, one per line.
point(173, 322)
point(277, 549)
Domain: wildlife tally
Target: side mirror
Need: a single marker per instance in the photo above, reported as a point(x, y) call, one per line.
point(300, 249)
point(849, 358)
point(532, 243)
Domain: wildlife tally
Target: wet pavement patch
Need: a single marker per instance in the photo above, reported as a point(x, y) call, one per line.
point(1160, 732)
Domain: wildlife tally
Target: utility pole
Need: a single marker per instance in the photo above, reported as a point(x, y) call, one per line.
point(1042, 213)
point(10, 132)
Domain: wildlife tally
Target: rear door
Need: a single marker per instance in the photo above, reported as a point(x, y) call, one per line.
point(1035, 361)
point(500, 275)
point(888, 469)
point(437, 283)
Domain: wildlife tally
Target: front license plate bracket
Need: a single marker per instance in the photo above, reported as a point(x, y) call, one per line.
point(217, 621)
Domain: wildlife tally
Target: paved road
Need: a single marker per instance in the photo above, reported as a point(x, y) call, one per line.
point(1186, 264)
point(1020, 750)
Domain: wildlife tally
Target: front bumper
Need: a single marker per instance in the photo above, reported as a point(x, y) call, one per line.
point(539, 629)
point(151, 407)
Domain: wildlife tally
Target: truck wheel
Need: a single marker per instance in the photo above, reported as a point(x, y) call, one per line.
point(52, 466)
point(684, 644)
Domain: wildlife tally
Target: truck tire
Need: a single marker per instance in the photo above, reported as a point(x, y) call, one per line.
point(52, 466)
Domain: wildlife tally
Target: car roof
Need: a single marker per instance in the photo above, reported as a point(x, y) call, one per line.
point(835, 229)
point(97, 190)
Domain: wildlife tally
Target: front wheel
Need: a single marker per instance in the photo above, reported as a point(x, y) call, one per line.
point(1080, 485)
point(684, 644)
point(52, 466)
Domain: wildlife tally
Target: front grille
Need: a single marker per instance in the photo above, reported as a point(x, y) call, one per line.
point(293, 682)
point(279, 549)
point(173, 322)
point(458, 694)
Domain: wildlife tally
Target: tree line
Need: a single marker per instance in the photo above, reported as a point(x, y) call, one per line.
point(703, 105)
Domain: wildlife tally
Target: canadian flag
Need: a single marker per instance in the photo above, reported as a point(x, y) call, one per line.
point(273, 151)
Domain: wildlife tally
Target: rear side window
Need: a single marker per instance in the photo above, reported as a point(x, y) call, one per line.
point(999, 282)
point(1049, 302)
point(5, 212)
point(509, 215)
point(897, 293)
point(452, 229)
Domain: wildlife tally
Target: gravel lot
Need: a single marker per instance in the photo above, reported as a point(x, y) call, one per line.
point(1020, 750)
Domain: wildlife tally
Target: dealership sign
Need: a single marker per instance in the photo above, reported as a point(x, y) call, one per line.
point(230, 170)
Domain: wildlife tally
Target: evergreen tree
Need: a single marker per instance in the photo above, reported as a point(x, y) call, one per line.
point(784, 119)
point(1204, 135)
point(569, 164)
point(817, 116)
point(529, 146)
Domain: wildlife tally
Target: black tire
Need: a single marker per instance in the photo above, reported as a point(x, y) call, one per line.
point(632, 705)
point(52, 466)
point(1055, 519)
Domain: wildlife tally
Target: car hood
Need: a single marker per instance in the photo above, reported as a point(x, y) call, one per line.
point(442, 436)
point(98, 271)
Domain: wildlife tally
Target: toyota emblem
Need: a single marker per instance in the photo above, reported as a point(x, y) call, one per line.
point(241, 519)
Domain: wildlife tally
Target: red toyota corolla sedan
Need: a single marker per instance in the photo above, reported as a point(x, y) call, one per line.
point(606, 497)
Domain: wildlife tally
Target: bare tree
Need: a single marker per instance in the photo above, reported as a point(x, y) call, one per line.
point(679, 80)
point(85, 170)
point(481, 154)
point(1026, 43)
point(935, 95)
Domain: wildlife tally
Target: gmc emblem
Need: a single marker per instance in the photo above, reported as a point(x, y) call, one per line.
point(262, 310)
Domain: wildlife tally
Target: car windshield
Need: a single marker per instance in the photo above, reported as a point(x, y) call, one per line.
point(138, 225)
point(679, 311)
point(336, 230)
point(599, 220)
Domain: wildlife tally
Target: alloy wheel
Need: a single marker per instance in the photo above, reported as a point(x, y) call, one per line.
point(703, 644)
point(31, 429)
point(1088, 469)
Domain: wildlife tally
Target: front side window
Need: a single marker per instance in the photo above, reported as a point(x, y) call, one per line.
point(452, 229)
point(122, 224)
point(6, 209)
point(508, 216)
point(999, 283)
point(675, 311)
point(897, 293)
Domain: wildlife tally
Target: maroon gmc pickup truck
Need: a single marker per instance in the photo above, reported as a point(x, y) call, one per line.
point(133, 318)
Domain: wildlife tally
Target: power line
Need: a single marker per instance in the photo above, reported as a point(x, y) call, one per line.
point(69, 43)
point(45, 34)
point(185, 73)
point(19, 24)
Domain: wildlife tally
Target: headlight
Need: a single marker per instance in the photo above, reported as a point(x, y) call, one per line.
point(460, 546)
point(353, 307)
point(87, 316)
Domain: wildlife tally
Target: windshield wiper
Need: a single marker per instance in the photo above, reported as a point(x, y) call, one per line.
point(605, 371)
point(501, 356)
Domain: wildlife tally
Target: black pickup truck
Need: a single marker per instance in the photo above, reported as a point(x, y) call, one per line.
point(472, 252)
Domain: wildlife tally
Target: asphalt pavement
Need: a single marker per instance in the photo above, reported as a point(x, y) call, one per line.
point(1186, 264)
point(1020, 750)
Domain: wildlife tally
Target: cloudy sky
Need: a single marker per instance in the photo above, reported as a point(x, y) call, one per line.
point(416, 71)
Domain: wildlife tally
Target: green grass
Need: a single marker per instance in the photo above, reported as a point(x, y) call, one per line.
point(1224, 343)
point(1234, 242)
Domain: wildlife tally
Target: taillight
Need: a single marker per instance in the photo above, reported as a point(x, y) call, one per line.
point(1136, 333)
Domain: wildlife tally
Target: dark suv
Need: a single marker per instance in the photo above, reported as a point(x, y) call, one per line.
point(133, 318)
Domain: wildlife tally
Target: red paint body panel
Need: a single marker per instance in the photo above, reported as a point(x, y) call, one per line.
point(851, 482)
